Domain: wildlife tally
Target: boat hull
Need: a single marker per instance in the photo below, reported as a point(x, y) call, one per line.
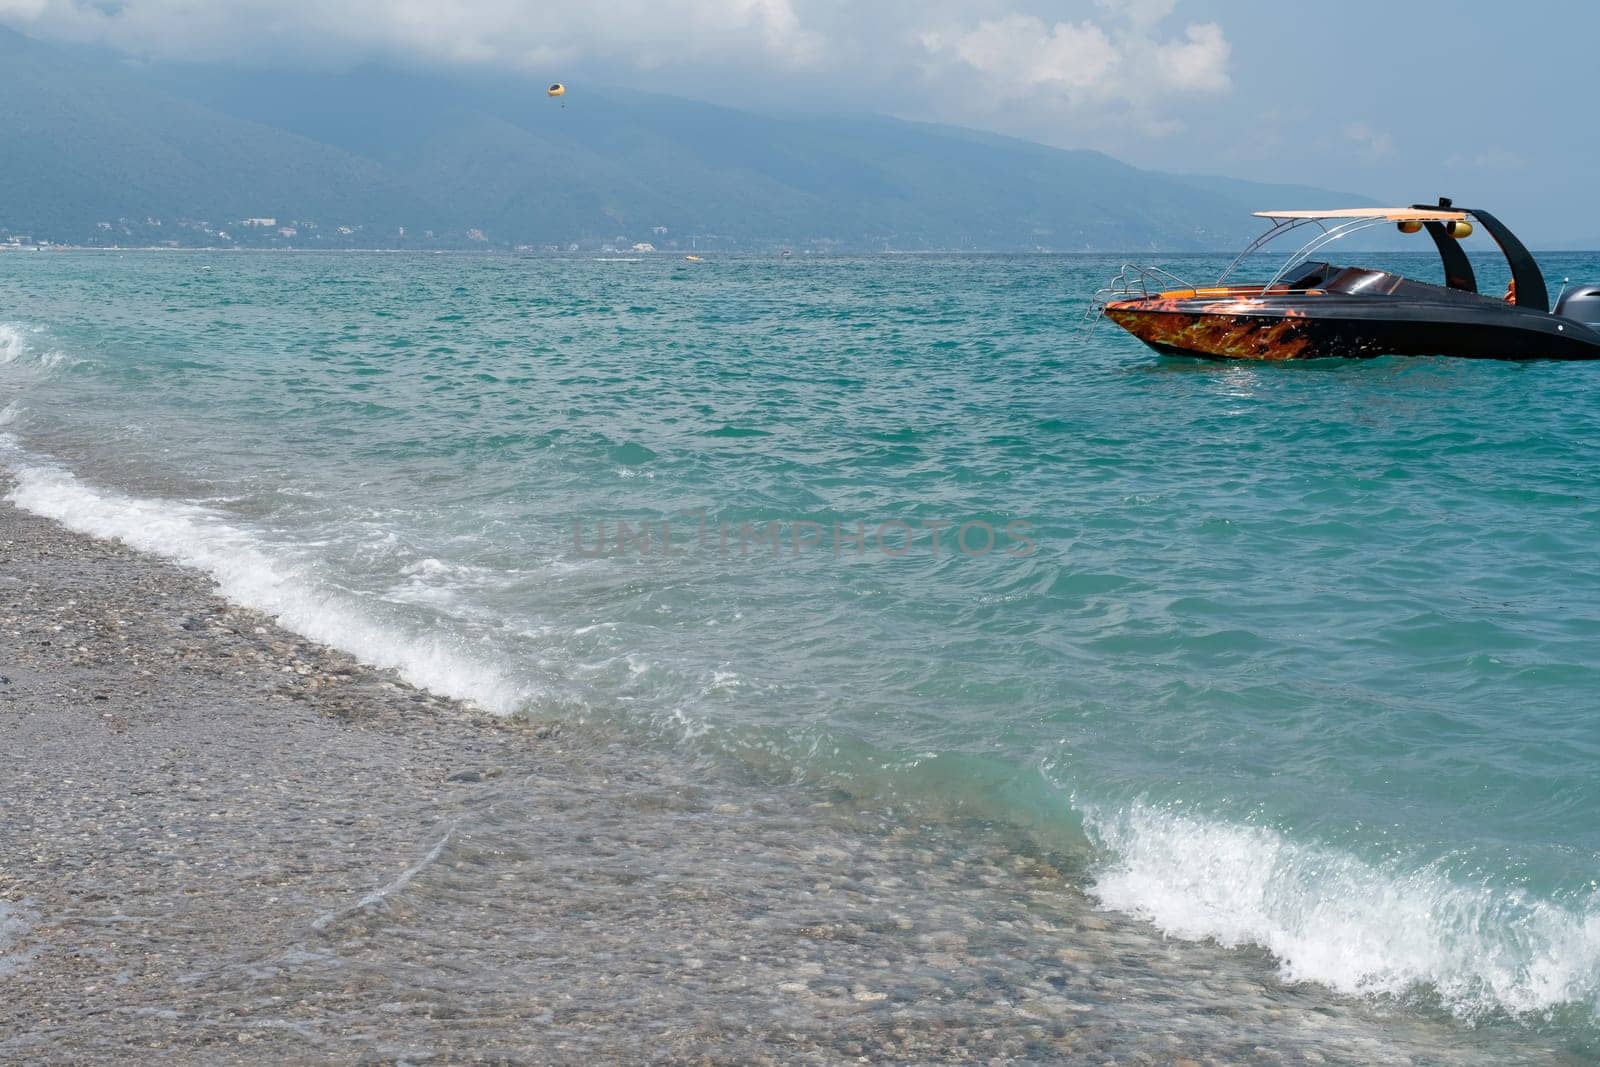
point(1269, 330)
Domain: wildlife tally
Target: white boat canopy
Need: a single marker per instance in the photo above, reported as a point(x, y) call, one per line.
point(1334, 223)
point(1388, 214)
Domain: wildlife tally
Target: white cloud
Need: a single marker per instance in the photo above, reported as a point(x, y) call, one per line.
point(1091, 65)
point(1019, 54)
point(1374, 143)
point(1199, 63)
point(1120, 65)
point(506, 33)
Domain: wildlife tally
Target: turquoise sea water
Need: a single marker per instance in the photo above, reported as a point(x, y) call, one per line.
point(1302, 657)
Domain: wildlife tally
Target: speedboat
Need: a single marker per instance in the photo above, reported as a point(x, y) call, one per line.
point(1313, 309)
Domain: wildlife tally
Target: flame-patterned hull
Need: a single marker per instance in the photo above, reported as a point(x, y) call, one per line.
point(1276, 326)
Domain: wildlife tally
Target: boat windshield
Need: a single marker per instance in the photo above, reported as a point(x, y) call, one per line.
point(1298, 270)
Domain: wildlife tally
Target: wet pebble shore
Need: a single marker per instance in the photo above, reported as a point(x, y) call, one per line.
point(223, 843)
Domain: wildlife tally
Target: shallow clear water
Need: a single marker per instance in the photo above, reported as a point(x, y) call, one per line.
point(1295, 656)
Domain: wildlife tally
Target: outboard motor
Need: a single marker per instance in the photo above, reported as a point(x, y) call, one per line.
point(1581, 303)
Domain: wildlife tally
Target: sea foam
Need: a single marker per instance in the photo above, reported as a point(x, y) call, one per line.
point(1354, 926)
point(254, 573)
point(17, 349)
point(12, 343)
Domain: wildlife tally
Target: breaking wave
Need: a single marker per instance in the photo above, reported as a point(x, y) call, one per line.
point(1331, 918)
point(254, 573)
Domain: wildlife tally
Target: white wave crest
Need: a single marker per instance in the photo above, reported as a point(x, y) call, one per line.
point(1334, 919)
point(15, 348)
point(252, 572)
point(12, 343)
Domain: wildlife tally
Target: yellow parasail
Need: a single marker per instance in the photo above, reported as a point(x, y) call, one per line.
point(556, 90)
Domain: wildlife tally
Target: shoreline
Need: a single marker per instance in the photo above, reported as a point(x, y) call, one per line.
point(231, 843)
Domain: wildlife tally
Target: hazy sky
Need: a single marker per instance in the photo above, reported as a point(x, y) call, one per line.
point(1491, 102)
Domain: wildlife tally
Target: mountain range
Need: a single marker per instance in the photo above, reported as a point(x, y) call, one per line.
point(98, 149)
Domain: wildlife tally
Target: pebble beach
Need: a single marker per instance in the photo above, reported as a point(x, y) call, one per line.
point(224, 843)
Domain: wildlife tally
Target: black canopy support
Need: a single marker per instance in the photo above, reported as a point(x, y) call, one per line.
point(1531, 291)
point(1457, 269)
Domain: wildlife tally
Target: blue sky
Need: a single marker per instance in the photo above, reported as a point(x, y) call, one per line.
point(1491, 103)
point(1488, 102)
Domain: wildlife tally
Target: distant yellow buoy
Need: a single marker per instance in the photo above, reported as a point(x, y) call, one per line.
point(556, 90)
point(692, 259)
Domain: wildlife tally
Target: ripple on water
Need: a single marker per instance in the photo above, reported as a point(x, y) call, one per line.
point(1351, 607)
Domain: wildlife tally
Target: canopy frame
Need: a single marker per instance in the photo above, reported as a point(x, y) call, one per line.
point(1529, 289)
point(1343, 224)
